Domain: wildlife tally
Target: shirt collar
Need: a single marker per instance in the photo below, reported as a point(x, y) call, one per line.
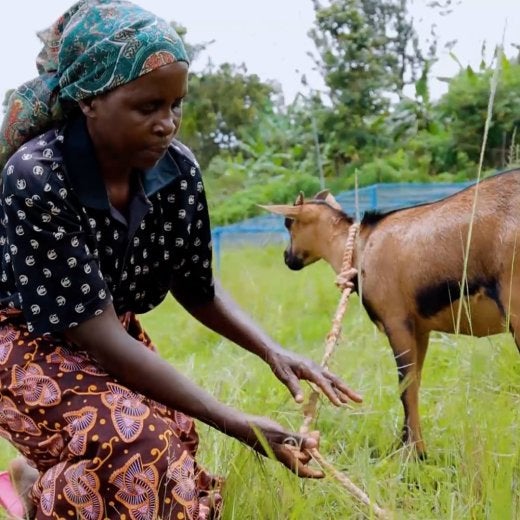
point(82, 167)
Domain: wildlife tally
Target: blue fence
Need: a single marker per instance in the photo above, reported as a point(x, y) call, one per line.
point(382, 197)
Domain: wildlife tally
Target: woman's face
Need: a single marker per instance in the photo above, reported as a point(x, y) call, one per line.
point(134, 123)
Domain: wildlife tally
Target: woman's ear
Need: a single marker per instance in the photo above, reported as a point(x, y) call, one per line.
point(88, 107)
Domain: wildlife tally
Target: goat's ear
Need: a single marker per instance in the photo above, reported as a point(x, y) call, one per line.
point(322, 195)
point(300, 199)
point(282, 209)
point(331, 201)
point(327, 196)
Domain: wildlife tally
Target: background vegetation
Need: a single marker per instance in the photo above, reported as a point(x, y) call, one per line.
point(376, 116)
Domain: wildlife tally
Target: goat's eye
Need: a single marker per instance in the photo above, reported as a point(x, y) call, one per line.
point(288, 222)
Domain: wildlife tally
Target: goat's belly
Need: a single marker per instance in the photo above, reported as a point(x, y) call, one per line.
point(480, 316)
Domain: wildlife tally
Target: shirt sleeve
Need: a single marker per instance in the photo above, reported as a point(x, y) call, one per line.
point(57, 275)
point(192, 281)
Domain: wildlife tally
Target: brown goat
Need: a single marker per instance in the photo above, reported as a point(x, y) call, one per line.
point(410, 267)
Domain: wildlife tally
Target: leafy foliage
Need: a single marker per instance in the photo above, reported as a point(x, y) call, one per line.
point(376, 121)
point(5, 101)
point(464, 109)
point(355, 135)
point(270, 163)
point(221, 106)
point(368, 51)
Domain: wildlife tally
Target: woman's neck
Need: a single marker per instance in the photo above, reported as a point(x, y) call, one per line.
point(117, 175)
point(120, 193)
point(119, 183)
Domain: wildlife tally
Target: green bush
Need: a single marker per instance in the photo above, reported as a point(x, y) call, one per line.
point(243, 204)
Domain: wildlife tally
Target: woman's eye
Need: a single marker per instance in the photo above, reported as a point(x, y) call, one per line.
point(146, 109)
point(150, 108)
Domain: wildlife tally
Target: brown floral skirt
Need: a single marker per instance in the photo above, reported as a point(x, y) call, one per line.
point(102, 450)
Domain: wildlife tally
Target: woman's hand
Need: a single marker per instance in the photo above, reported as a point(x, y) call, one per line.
point(291, 449)
point(290, 368)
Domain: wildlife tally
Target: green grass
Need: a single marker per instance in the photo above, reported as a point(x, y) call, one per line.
point(469, 406)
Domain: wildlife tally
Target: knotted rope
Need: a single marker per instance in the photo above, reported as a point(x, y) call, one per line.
point(344, 282)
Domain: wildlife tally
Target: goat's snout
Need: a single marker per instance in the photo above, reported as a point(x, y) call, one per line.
point(292, 261)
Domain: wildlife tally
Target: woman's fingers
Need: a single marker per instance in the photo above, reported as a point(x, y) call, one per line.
point(291, 378)
point(293, 440)
point(291, 449)
point(308, 443)
point(291, 369)
point(331, 385)
point(326, 385)
point(343, 391)
point(297, 461)
point(292, 382)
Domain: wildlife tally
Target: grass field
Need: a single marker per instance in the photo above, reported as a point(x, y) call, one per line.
point(469, 405)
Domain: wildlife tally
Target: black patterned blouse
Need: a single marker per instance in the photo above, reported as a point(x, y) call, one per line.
point(67, 253)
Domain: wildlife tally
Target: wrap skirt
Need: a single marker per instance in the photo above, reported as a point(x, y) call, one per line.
point(102, 450)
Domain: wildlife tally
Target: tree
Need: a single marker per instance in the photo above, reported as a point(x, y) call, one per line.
point(222, 103)
point(221, 106)
point(5, 102)
point(274, 159)
point(463, 110)
point(192, 49)
point(368, 52)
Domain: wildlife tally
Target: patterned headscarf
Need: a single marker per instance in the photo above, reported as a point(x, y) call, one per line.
point(94, 47)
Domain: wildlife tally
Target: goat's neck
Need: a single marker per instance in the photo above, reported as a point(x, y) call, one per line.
point(335, 247)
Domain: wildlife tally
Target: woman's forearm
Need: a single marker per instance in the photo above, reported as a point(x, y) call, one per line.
point(225, 317)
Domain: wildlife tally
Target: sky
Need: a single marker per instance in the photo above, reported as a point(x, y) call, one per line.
point(268, 36)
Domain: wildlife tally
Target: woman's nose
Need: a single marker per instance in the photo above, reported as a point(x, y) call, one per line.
point(165, 126)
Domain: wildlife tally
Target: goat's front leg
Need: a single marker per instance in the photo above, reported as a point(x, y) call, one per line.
point(409, 352)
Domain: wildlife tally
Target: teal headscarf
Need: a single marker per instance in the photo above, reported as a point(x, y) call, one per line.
point(94, 47)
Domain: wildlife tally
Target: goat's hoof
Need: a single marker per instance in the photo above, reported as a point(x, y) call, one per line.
point(411, 450)
point(422, 455)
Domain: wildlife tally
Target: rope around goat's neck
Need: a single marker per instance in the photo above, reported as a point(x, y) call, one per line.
point(348, 271)
point(344, 282)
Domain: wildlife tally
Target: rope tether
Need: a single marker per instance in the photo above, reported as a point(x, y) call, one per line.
point(343, 281)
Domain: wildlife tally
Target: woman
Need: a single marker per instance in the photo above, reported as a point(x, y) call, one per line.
point(104, 213)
